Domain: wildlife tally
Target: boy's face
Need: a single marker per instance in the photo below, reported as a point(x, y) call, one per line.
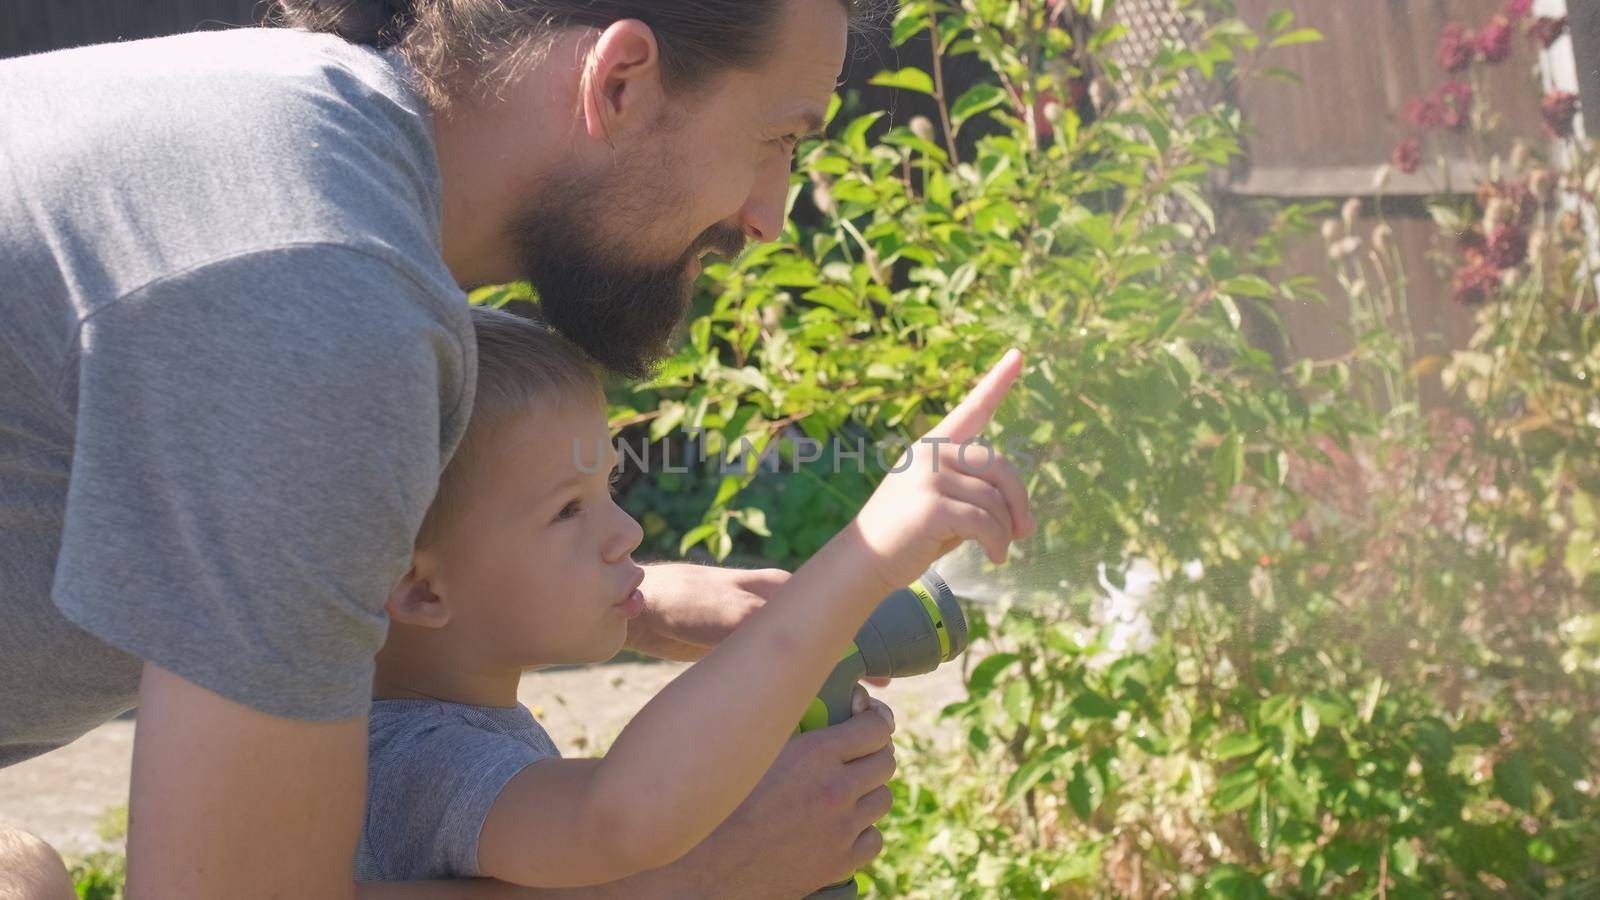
point(536, 567)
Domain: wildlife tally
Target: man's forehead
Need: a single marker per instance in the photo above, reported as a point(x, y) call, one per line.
point(805, 69)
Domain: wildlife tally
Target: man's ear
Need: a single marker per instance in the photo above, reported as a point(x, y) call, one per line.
point(413, 602)
point(621, 80)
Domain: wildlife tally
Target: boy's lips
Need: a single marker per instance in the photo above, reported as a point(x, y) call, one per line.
point(633, 604)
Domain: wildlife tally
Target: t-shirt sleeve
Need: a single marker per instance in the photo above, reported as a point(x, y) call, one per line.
point(428, 794)
point(257, 441)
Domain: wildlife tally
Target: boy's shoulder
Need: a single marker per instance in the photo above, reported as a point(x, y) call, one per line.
point(410, 721)
point(434, 770)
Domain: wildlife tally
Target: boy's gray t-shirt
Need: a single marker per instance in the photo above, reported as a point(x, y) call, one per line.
point(232, 364)
point(433, 771)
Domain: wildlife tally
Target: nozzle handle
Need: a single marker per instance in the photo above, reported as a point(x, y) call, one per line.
point(911, 631)
point(844, 890)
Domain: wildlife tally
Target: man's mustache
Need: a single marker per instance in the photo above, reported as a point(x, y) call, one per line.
point(724, 240)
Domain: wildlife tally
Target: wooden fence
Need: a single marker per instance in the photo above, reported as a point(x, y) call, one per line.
point(1329, 136)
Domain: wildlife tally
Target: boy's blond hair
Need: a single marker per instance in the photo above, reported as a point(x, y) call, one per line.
point(521, 363)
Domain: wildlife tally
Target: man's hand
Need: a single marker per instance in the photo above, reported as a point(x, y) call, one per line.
point(808, 823)
point(688, 608)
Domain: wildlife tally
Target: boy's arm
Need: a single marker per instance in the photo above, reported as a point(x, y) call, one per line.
point(696, 750)
point(268, 807)
point(808, 823)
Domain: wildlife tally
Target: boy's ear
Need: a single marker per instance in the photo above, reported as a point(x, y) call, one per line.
point(413, 602)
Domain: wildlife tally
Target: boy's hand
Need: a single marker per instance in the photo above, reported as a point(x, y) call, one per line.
point(689, 608)
point(939, 495)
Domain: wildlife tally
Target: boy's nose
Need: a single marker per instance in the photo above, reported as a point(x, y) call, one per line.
point(627, 539)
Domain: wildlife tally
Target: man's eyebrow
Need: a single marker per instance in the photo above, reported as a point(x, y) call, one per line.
point(813, 121)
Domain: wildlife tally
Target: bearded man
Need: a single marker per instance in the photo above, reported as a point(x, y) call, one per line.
point(235, 354)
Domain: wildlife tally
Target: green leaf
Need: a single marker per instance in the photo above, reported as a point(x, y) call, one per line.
point(907, 79)
point(1227, 463)
point(1031, 773)
point(1234, 883)
point(912, 18)
point(1513, 780)
point(671, 415)
point(1191, 195)
point(1236, 790)
point(694, 536)
point(1231, 309)
point(1298, 36)
point(1248, 286)
point(1237, 743)
point(977, 99)
point(983, 676)
point(1310, 720)
point(755, 519)
point(1275, 710)
point(1085, 790)
point(1478, 733)
point(854, 135)
point(1264, 821)
point(727, 489)
point(1279, 20)
point(1582, 556)
point(1432, 739)
point(1014, 700)
point(1091, 705)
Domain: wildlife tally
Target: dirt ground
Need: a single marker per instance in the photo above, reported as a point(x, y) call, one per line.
point(64, 796)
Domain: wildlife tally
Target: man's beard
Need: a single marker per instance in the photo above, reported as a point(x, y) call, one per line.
point(619, 311)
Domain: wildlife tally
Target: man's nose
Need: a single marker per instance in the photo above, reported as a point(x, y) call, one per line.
point(761, 219)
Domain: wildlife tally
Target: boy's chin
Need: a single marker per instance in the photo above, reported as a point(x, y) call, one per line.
point(616, 645)
point(579, 657)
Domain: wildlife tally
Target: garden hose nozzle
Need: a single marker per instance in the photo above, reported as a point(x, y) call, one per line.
point(910, 632)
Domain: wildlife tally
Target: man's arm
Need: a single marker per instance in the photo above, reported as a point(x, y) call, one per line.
point(268, 807)
point(257, 440)
point(230, 802)
point(262, 806)
point(689, 608)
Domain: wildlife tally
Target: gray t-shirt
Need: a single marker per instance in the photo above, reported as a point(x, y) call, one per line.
point(232, 365)
point(433, 771)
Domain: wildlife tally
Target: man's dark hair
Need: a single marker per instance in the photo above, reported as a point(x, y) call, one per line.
point(457, 45)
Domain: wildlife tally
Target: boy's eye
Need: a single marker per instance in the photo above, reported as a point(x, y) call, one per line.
point(571, 509)
point(611, 482)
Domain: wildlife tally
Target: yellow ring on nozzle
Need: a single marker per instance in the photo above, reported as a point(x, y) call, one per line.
point(934, 615)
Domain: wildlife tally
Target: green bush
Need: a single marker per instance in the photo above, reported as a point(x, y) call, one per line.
point(1371, 664)
point(99, 876)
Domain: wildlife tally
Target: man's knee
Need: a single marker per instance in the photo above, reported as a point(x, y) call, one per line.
point(30, 869)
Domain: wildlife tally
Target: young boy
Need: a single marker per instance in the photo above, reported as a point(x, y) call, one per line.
point(524, 560)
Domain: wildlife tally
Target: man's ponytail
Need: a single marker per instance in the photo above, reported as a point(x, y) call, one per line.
point(373, 23)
